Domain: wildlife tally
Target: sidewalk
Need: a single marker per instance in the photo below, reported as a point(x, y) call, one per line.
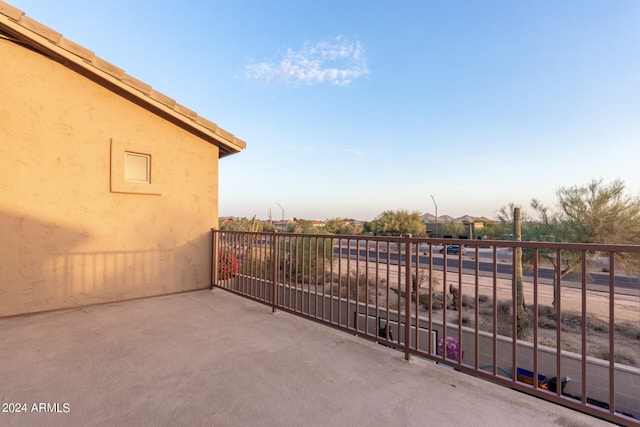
point(213, 358)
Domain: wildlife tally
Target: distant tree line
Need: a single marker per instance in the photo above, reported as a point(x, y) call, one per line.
point(591, 213)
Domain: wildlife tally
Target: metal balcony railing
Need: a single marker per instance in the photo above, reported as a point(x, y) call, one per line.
point(575, 342)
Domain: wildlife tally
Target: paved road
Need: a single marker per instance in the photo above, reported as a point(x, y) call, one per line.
point(628, 285)
point(597, 281)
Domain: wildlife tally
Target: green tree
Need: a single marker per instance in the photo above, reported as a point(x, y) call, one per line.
point(455, 229)
point(303, 258)
point(342, 226)
point(301, 226)
point(551, 227)
point(268, 227)
point(245, 224)
point(592, 213)
point(490, 230)
point(600, 213)
point(237, 224)
point(398, 223)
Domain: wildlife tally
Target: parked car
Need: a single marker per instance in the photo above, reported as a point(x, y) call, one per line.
point(453, 249)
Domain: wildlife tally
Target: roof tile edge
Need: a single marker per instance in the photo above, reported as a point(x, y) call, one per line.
point(10, 11)
point(137, 84)
point(76, 49)
point(107, 67)
point(206, 123)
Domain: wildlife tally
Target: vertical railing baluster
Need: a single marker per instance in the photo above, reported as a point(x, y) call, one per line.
point(297, 262)
point(331, 281)
point(407, 296)
point(275, 264)
point(340, 281)
point(535, 318)
point(377, 282)
point(514, 311)
point(348, 281)
point(399, 310)
point(366, 286)
point(495, 313)
point(558, 318)
point(583, 361)
point(458, 303)
point(445, 267)
point(290, 252)
point(357, 285)
point(388, 288)
point(214, 257)
point(319, 263)
point(416, 307)
point(612, 332)
point(476, 314)
point(309, 263)
point(431, 349)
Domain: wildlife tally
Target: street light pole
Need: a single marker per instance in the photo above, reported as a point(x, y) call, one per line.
point(282, 223)
point(436, 205)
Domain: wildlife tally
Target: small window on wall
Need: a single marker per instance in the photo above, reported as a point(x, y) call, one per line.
point(137, 167)
point(132, 166)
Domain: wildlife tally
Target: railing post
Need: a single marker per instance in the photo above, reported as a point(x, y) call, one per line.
point(275, 248)
point(407, 297)
point(214, 257)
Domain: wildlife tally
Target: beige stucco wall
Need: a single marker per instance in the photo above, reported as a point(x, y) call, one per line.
point(65, 238)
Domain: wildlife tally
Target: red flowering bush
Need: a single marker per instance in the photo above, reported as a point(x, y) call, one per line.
point(228, 265)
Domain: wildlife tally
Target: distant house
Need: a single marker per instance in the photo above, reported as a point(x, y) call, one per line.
point(108, 189)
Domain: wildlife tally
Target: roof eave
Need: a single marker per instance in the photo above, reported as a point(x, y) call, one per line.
point(51, 43)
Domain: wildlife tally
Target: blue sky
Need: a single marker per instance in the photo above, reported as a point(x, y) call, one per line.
point(350, 108)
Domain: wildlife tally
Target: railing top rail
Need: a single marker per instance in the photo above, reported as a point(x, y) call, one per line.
point(591, 247)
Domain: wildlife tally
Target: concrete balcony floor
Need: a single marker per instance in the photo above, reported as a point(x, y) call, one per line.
point(213, 358)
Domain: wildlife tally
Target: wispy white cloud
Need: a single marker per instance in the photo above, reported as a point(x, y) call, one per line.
point(353, 152)
point(338, 62)
point(299, 148)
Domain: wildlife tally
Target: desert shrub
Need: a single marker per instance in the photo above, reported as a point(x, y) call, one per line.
point(486, 310)
point(626, 357)
point(546, 322)
point(547, 311)
point(303, 258)
point(505, 320)
point(597, 325)
point(353, 284)
point(435, 301)
point(417, 279)
point(504, 308)
point(628, 330)
point(466, 320)
point(486, 306)
point(423, 299)
point(546, 316)
point(256, 263)
point(468, 301)
point(571, 322)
